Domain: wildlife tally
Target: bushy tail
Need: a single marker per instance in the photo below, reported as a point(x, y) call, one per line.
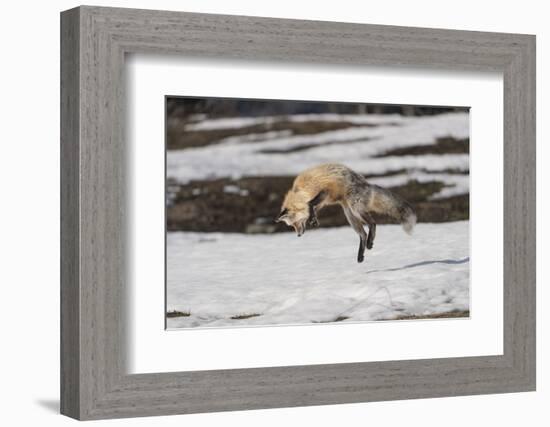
point(387, 203)
point(408, 219)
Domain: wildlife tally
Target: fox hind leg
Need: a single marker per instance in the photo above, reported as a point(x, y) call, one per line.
point(357, 225)
point(372, 229)
point(372, 234)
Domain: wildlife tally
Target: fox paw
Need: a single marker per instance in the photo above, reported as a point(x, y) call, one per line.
point(369, 245)
point(313, 222)
point(360, 258)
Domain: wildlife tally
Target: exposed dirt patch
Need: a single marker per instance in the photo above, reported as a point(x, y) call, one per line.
point(250, 205)
point(336, 319)
point(179, 138)
point(448, 314)
point(175, 313)
point(447, 171)
point(245, 316)
point(446, 145)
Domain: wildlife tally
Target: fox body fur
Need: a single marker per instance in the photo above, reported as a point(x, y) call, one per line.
point(332, 183)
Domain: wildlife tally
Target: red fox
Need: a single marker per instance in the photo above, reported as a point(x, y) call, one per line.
point(333, 183)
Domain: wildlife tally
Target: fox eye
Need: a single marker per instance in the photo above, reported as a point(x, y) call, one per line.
point(283, 213)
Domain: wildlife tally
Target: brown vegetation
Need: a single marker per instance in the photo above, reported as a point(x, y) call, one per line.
point(445, 145)
point(207, 206)
point(448, 314)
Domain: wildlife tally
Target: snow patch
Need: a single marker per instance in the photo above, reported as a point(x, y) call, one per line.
point(357, 147)
point(223, 279)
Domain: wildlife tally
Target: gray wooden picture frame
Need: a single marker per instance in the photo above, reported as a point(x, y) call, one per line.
point(94, 381)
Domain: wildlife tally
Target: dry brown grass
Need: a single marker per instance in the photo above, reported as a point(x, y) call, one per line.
point(175, 313)
point(445, 145)
point(178, 138)
point(245, 316)
point(445, 315)
point(205, 206)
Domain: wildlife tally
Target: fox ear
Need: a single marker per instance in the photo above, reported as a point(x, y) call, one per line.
point(283, 213)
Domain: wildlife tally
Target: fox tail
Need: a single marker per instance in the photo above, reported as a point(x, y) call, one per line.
point(408, 219)
point(387, 203)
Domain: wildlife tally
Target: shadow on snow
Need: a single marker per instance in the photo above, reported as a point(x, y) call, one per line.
point(423, 263)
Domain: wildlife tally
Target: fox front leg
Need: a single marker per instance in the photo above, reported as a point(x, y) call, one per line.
point(313, 203)
point(312, 220)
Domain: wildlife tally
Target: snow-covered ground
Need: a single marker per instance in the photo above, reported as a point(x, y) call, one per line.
point(228, 279)
point(358, 147)
point(283, 279)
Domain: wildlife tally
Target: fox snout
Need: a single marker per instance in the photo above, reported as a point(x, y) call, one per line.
point(299, 224)
point(300, 227)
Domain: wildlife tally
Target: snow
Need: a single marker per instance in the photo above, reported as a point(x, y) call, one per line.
point(358, 147)
point(315, 278)
point(234, 189)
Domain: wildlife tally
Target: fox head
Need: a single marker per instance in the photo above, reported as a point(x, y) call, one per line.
point(295, 211)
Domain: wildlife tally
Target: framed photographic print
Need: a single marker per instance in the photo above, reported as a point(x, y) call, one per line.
point(261, 213)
